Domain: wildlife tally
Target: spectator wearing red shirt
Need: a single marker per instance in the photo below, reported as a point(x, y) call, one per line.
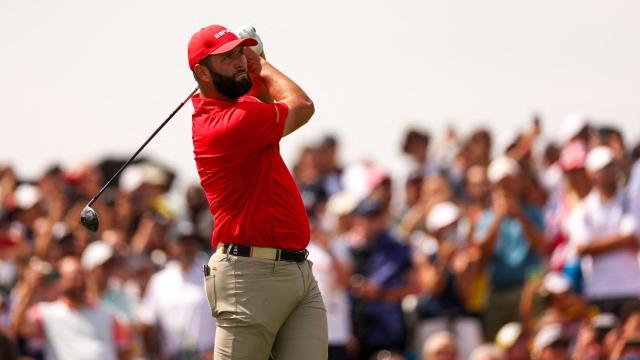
point(258, 282)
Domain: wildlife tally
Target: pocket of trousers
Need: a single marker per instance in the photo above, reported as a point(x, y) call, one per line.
point(210, 290)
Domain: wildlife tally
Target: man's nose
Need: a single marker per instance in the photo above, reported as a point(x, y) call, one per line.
point(241, 63)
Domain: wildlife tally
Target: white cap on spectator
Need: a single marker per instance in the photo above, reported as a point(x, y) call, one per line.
point(355, 179)
point(341, 203)
point(27, 196)
point(442, 215)
point(131, 178)
point(598, 158)
point(546, 336)
point(555, 283)
point(136, 175)
point(508, 335)
point(502, 167)
point(96, 254)
point(153, 175)
point(571, 126)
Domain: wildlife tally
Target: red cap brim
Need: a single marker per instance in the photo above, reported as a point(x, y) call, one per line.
point(233, 44)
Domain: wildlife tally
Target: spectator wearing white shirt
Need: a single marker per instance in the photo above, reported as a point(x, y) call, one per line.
point(75, 326)
point(177, 317)
point(603, 231)
point(331, 259)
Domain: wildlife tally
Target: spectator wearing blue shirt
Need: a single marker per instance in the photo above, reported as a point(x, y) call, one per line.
point(510, 236)
point(382, 277)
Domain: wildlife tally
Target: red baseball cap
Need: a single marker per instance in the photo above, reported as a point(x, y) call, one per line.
point(214, 39)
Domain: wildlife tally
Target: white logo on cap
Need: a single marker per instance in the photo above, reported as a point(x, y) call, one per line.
point(221, 33)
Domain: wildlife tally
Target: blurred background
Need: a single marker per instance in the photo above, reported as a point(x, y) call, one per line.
point(471, 176)
point(75, 69)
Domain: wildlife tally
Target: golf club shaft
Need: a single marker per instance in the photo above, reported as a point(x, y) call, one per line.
point(141, 147)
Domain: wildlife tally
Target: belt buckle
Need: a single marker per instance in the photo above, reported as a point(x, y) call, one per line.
point(234, 250)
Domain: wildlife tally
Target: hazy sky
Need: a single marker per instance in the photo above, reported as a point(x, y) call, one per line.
point(80, 79)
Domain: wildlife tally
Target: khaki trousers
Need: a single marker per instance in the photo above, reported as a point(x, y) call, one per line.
point(265, 308)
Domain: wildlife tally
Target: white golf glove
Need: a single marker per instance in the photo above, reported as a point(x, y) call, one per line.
point(248, 31)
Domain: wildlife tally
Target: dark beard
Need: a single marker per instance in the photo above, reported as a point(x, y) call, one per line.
point(230, 87)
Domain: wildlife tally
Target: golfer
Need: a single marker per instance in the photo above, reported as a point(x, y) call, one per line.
point(258, 281)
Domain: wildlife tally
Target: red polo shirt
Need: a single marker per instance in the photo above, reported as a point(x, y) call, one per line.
point(252, 195)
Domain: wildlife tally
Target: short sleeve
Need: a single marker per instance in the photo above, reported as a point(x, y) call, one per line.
point(253, 125)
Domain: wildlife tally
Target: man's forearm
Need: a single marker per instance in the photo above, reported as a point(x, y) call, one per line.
point(17, 320)
point(278, 84)
point(604, 244)
point(284, 90)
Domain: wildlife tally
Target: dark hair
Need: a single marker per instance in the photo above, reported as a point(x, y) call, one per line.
point(480, 135)
point(607, 132)
point(206, 62)
point(414, 135)
point(53, 170)
point(328, 141)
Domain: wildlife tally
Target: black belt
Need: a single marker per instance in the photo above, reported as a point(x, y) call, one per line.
point(278, 254)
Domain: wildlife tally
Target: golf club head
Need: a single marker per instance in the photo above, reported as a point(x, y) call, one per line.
point(89, 218)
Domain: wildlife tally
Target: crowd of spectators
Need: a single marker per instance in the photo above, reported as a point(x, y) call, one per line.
point(505, 247)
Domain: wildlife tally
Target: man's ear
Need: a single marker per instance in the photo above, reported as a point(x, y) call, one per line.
point(202, 73)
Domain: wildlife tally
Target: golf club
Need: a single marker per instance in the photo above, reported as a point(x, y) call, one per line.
point(88, 216)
